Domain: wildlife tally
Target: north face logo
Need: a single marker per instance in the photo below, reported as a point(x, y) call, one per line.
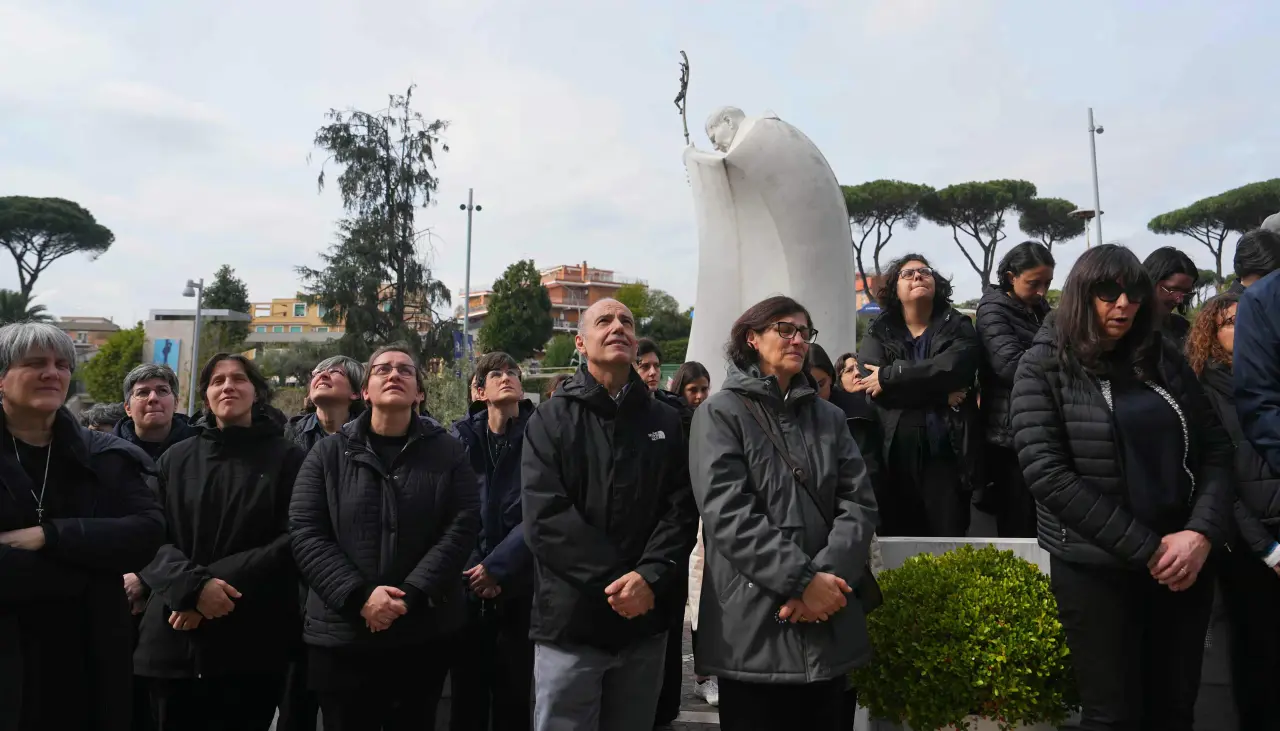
point(656, 436)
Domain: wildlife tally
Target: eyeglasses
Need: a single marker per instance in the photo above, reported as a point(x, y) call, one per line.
point(1178, 294)
point(142, 394)
point(382, 370)
point(497, 375)
point(334, 371)
point(788, 330)
point(1111, 291)
point(916, 273)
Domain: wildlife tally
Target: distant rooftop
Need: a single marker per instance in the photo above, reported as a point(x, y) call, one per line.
point(87, 324)
point(225, 315)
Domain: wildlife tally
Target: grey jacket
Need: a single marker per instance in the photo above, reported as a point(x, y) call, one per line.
point(765, 538)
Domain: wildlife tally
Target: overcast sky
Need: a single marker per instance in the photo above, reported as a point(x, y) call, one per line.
point(186, 127)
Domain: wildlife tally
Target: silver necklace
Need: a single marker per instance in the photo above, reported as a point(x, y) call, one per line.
point(38, 498)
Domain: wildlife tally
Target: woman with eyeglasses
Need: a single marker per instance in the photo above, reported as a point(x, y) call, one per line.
point(1009, 315)
point(1248, 572)
point(1175, 276)
point(847, 372)
point(919, 361)
point(1133, 474)
point(384, 517)
point(333, 399)
point(788, 511)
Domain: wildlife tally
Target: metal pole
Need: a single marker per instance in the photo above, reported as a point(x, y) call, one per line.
point(1093, 153)
point(195, 353)
point(466, 304)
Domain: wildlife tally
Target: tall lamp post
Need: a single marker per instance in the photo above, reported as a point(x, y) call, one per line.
point(470, 207)
point(194, 289)
point(1094, 131)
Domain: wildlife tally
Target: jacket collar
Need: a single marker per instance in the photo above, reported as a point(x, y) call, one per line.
point(750, 382)
point(582, 386)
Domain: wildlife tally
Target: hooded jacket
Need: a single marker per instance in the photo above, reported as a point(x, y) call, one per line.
point(109, 525)
point(501, 547)
point(951, 365)
point(1065, 436)
point(1257, 506)
point(1006, 327)
point(357, 524)
point(180, 430)
point(226, 497)
point(606, 492)
point(766, 537)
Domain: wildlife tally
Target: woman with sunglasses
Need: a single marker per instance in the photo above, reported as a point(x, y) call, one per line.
point(788, 511)
point(919, 361)
point(1132, 471)
point(1248, 572)
point(1009, 315)
point(1175, 276)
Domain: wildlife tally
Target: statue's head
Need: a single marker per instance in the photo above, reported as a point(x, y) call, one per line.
point(1272, 223)
point(722, 126)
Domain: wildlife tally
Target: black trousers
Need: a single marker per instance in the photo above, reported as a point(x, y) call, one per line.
point(672, 678)
point(229, 703)
point(1136, 647)
point(492, 673)
point(923, 497)
point(1014, 506)
point(394, 690)
point(770, 706)
point(298, 704)
point(1251, 594)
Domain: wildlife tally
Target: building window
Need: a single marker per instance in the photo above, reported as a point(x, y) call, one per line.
point(277, 328)
point(295, 328)
point(262, 328)
point(321, 311)
point(82, 337)
point(300, 309)
point(322, 330)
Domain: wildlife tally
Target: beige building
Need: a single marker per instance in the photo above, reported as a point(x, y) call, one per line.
point(572, 289)
point(88, 333)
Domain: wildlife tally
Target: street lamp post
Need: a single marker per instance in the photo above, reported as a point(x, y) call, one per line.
point(470, 208)
point(1095, 130)
point(194, 289)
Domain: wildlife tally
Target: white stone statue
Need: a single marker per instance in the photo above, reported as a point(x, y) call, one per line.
point(771, 220)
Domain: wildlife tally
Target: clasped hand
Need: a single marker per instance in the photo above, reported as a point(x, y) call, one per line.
point(630, 596)
point(384, 606)
point(823, 597)
point(481, 582)
point(1179, 559)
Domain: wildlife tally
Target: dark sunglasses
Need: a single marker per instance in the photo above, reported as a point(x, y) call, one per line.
point(1111, 291)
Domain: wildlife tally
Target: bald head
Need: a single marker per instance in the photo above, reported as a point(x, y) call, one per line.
point(607, 333)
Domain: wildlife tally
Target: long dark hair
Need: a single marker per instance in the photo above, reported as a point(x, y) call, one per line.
point(1024, 256)
point(1080, 337)
point(757, 318)
point(688, 372)
point(1168, 261)
point(1202, 341)
point(887, 297)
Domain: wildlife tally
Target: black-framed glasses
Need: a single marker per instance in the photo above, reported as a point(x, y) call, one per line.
point(788, 330)
point(1111, 291)
point(916, 273)
point(382, 370)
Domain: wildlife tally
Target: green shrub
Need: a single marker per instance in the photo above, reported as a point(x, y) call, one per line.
point(971, 632)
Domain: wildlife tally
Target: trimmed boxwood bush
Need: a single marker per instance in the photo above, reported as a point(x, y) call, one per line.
point(971, 632)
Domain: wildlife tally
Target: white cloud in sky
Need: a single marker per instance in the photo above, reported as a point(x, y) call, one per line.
point(186, 128)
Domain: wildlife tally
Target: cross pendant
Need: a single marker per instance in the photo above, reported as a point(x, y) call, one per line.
point(40, 514)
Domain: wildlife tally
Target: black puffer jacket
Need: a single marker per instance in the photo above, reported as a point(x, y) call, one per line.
point(1006, 327)
point(951, 365)
point(1257, 506)
point(103, 524)
point(358, 524)
point(181, 430)
point(226, 498)
point(606, 492)
point(1063, 430)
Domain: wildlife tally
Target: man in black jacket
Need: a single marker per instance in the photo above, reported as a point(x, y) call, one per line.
point(610, 517)
point(492, 673)
point(217, 634)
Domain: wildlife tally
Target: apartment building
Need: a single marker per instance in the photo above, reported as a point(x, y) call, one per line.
point(572, 289)
point(289, 315)
point(88, 333)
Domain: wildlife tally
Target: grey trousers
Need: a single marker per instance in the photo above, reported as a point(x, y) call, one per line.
point(585, 689)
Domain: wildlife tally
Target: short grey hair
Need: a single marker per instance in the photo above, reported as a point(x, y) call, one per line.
point(351, 368)
point(20, 339)
point(102, 415)
point(147, 372)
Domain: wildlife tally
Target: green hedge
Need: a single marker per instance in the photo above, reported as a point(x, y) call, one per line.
point(971, 632)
